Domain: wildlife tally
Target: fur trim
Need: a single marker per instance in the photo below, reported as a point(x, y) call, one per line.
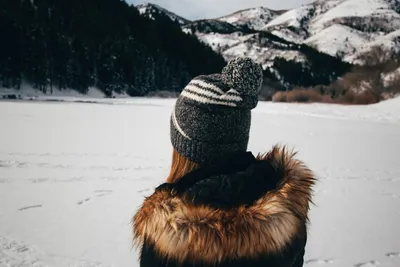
point(181, 231)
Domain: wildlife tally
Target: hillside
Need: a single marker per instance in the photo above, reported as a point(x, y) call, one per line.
point(150, 9)
point(286, 63)
point(116, 47)
point(59, 45)
point(254, 18)
point(343, 28)
point(340, 28)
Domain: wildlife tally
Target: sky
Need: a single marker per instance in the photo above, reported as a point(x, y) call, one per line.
point(206, 9)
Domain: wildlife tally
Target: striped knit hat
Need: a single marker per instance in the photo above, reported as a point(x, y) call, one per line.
point(211, 118)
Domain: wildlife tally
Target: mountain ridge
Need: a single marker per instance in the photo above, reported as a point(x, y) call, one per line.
point(340, 28)
point(107, 44)
point(149, 9)
point(255, 18)
point(289, 63)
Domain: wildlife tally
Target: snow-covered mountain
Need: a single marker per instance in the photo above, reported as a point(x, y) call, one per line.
point(148, 9)
point(254, 18)
point(262, 47)
point(322, 31)
point(209, 26)
point(343, 28)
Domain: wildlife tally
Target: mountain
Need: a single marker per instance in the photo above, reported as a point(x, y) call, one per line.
point(149, 9)
point(340, 28)
point(253, 18)
point(208, 26)
point(286, 64)
point(106, 44)
point(344, 28)
point(117, 47)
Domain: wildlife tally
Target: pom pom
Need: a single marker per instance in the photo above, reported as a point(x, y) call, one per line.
point(244, 75)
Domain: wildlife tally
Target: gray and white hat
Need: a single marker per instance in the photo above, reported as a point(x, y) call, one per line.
point(212, 116)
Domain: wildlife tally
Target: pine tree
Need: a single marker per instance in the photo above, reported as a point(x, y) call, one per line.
point(104, 43)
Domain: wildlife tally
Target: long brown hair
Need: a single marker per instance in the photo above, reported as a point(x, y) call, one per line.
point(180, 167)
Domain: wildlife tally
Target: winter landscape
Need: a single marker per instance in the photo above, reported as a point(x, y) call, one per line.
point(84, 117)
point(73, 174)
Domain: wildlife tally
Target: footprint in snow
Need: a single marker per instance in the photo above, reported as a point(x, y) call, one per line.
point(320, 261)
point(30, 207)
point(102, 193)
point(83, 201)
point(372, 263)
point(39, 180)
point(144, 190)
point(98, 193)
point(16, 253)
point(12, 163)
point(393, 255)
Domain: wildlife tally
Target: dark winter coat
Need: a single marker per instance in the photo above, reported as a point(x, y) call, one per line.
point(243, 211)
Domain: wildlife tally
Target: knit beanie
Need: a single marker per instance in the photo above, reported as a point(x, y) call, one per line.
point(212, 116)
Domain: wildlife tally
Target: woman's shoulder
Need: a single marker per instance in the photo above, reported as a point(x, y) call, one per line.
point(265, 205)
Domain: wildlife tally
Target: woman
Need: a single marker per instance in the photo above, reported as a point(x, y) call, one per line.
point(220, 205)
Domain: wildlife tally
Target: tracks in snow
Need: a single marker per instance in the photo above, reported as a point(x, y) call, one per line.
point(372, 263)
point(320, 261)
point(97, 193)
point(17, 253)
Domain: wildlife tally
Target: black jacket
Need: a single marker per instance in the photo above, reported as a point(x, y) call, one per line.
point(242, 211)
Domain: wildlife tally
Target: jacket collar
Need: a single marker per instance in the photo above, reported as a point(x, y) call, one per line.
point(229, 165)
point(181, 229)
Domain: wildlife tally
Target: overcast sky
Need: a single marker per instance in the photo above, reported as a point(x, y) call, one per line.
point(198, 9)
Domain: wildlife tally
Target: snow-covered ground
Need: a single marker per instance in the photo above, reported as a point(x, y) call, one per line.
point(28, 92)
point(73, 174)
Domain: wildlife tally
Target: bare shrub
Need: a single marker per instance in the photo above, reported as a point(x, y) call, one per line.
point(352, 98)
point(371, 82)
point(279, 97)
point(393, 85)
point(298, 95)
point(163, 94)
point(302, 95)
point(370, 76)
point(326, 99)
point(312, 95)
point(365, 98)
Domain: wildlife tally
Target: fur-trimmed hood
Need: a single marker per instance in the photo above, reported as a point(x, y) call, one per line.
point(186, 224)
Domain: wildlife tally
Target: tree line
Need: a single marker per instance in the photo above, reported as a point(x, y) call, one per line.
point(103, 43)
